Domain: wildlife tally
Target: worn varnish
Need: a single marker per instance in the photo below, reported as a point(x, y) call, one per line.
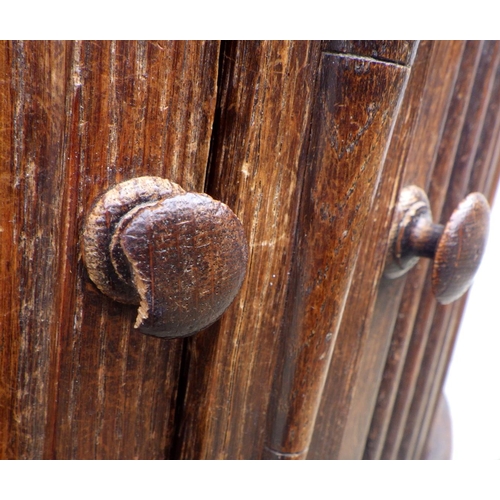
point(264, 112)
point(417, 305)
point(181, 257)
point(77, 381)
point(309, 143)
point(349, 140)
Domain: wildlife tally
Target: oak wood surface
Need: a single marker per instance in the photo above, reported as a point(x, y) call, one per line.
point(348, 394)
point(309, 143)
point(78, 382)
point(484, 158)
point(349, 140)
point(303, 362)
point(394, 51)
point(398, 443)
point(262, 132)
point(398, 300)
point(417, 305)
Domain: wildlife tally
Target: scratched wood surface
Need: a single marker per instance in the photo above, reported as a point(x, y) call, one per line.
point(349, 140)
point(77, 381)
point(264, 111)
point(309, 143)
point(453, 157)
point(393, 51)
point(425, 91)
point(291, 166)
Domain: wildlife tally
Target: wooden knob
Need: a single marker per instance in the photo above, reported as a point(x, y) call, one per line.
point(457, 247)
point(180, 256)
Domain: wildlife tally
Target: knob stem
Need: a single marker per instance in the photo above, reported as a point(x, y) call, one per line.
point(424, 238)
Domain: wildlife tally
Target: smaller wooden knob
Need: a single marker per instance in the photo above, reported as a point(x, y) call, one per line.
point(457, 247)
point(181, 257)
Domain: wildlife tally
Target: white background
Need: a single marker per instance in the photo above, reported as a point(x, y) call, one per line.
point(472, 386)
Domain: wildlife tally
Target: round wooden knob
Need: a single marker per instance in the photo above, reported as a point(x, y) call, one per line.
point(180, 256)
point(457, 247)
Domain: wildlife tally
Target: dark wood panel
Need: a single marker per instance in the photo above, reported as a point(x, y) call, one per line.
point(341, 425)
point(419, 294)
point(36, 118)
point(457, 186)
point(349, 412)
point(352, 123)
point(397, 51)
point(261, 132)
point(309, 143)
point(398, 300)
point(437, 192)
point(10, 257)
point(87, 115)
point(439, 341)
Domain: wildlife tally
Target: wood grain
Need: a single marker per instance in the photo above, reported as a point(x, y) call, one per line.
point(10, 214)
point(229, 377)
point(396, 51)
point(417, 303)
point(487, 181)
point(35, 117)
point(344, 413)
point(444, 323)
point(437, 191)
point(397, 301)
point(349, 140)
point(309, 144)
point(262, 130)
point(80, 382)
point(426, 307)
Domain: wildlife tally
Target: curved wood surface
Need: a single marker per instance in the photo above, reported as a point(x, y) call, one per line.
point(308, 143)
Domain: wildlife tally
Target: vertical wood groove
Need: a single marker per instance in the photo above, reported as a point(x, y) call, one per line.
point(458, 115)
point(344, 410)
point(9, 259)
point(457, 186)
point(87, 115)
point(265, 96)
point(397, 299)
point(322, 275)
point(441, 334)
point(309, 143)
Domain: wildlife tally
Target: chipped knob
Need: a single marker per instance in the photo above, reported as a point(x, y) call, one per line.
point(180, 256)
point(457, 247)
